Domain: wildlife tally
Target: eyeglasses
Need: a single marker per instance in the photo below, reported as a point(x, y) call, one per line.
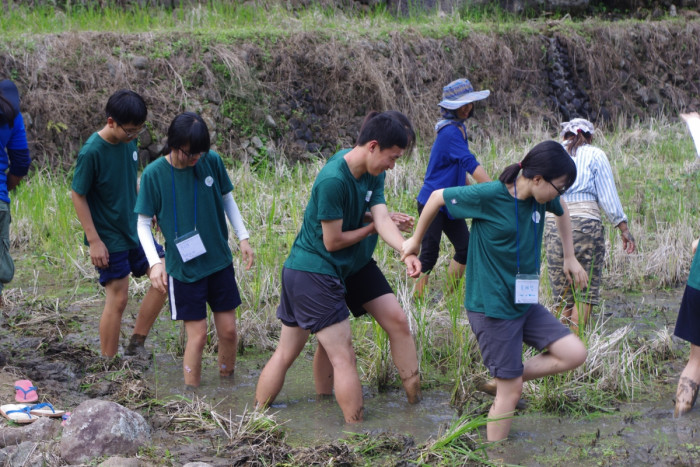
point(561, 191)
point(190, 156)
point(132, 133)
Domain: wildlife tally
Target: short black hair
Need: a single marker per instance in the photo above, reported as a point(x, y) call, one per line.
point(387, 130)
point(188, 128)
point(125, 106)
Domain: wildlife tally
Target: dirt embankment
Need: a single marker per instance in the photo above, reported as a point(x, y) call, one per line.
point(305, 94)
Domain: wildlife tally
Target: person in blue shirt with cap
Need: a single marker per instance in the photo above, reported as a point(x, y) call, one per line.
point(14, 155)
point(450, 163)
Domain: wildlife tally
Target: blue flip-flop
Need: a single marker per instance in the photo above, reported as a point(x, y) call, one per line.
point(18, 413)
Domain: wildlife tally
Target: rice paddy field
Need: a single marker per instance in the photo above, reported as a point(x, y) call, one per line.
point(590, 416)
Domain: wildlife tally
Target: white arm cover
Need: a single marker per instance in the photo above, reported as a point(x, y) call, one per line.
point(143, 227)
point(694, 127)
point(234, 216)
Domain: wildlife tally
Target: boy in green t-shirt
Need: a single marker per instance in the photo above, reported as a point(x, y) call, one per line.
point(104, 194)
point(324, 254)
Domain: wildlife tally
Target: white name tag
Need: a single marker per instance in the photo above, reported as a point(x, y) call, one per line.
point(527, 288)
point(190, 246)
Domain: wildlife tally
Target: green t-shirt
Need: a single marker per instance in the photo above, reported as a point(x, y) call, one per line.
point(106, 175)
point(365, 249)
point(694, 276)
point(211, 182)
point(336, 194)
point(491, 260)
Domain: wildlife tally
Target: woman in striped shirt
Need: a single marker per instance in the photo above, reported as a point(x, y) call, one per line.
point(593, 190)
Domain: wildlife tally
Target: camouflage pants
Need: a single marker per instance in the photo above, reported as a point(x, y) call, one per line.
point(589, 248)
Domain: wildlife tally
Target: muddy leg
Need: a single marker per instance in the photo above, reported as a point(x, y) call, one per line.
point(687, 390)
point(391, 317)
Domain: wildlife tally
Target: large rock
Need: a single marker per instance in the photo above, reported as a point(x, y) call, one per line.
point(100, 428)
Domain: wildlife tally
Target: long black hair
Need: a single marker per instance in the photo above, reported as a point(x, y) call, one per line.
point(548, 159)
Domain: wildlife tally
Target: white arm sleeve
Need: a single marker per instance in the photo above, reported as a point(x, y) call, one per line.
point(234, 216)
point(694, 127)
point(143, 227)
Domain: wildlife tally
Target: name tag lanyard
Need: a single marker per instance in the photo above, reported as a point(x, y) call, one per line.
point(517, 235)
point(172, 173)
point(526, 285)
point(189, 245)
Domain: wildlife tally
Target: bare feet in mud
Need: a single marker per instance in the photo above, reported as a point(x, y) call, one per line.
point(686, 395)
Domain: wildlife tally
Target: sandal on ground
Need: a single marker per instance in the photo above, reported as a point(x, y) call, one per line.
point(45, 410)
point(26, 391)
point(686, 395)
point(18, 413)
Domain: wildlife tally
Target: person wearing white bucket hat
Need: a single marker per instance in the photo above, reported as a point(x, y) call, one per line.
point(450, 162)
point(593, 190)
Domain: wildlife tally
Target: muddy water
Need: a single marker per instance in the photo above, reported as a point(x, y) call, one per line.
point(309, 420)
point(637, 433)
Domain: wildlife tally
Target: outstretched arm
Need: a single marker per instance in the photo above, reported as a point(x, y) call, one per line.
point(435, 202)
point(389, 231)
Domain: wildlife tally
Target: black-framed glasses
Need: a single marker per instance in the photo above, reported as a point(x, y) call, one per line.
point(190, 156)
point(561, 191)
point(132, 133)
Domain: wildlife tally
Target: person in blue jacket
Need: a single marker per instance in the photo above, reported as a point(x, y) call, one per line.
point(14, 155)
point(451, 162)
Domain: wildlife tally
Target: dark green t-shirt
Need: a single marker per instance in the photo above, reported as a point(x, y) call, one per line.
point(211, 182)
point(336, 194)
point(106, 175)
point(491, 260)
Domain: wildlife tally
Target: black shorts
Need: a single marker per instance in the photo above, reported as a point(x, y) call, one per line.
point(311, 301)
point(457, 233)
point(688, 322)
point(364, 286)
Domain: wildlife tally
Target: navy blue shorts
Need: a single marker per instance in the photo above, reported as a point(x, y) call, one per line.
point(364, 286)
point(688, 322)
point(501, 340)
point(123, 263)
point(188, 300)
point(311, 301)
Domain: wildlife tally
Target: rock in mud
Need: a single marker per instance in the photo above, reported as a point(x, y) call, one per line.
point(101, 428)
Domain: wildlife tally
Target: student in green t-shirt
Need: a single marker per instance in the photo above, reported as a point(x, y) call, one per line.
point(503, 266)
point(324, 254)
point(190, 193)
point(104, 193)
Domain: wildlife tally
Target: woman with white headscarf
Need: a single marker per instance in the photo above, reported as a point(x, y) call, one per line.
point(593, 191)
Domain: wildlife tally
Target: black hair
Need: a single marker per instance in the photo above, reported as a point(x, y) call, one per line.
point(389, 129)
point(548, 159)
point(188, 128)
point(125, 106)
